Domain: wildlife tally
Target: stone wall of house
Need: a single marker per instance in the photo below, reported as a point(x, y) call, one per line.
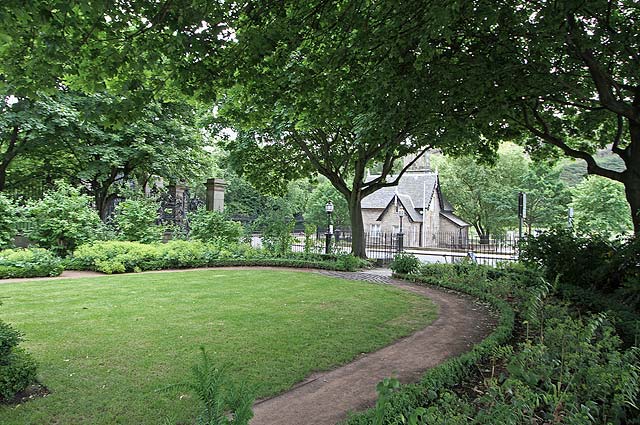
point(390, 223)
point(448, 227)
point(369, 217)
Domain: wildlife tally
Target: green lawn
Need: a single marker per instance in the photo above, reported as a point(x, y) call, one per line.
point(105, 345)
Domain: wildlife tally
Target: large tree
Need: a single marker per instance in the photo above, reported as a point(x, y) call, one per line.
point(91, 140)
point(563, 76)
point(310, 94)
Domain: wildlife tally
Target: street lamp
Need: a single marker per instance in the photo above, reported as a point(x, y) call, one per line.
point(400, 234)
point(329, 209)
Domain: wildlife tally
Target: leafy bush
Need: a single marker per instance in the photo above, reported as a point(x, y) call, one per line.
point(213, 226)
point(405, 263)
point(17, 368)
point(277, 237)
point(349, 262)
point(32, 262)
point(309, 243)
point(223, 402)
point(595, 273)
point(587, 261)
point(63, 220)
point(7, 222)
point(120, 257)
point(136, 220)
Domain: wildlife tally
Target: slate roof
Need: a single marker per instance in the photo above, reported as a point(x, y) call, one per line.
point(454, 218)
point(411, 190)
point(410, 185)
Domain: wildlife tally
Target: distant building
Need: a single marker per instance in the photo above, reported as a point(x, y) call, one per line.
point(428, 215)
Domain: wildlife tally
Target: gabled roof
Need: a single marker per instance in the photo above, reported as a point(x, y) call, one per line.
point(406, 202)
point(454, 218)
point(417, 186)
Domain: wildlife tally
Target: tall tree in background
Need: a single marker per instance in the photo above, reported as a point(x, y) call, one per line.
point(548, 197)
point(599, 207)
point(84, 139)
point(486, 195)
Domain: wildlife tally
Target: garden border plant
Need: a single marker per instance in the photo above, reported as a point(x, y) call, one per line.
point(17, 367)
point(121, 257)
point(31, 262)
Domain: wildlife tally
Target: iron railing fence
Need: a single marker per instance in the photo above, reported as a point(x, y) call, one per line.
point(379, 246)
point(457, 242)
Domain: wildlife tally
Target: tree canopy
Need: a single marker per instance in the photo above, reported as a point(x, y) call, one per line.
point(563, 77)
point(310, 94)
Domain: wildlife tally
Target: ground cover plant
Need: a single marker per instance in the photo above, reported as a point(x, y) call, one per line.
point(33, 262)
point(560, 366)
point(106, 345)
point(120, 257)
point(17, 367)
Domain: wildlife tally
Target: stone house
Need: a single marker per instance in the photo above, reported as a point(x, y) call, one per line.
point(428, 217)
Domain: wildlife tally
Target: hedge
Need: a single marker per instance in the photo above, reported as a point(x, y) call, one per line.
point(121, 257)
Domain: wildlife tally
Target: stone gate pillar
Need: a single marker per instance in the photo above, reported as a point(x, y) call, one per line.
point(215, 194)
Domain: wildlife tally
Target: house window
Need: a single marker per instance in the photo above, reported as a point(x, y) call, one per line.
point(396, 229)
point(375, 230)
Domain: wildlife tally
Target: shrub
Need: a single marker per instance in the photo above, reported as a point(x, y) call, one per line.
point(212, 226)
point(17, 368)
point(309, 242)
point(32, 262)
point(7, 222)
point(277, 237)
point(119, 257)
point(588, 261)
point(349, 262)
point(136, 220)
point(595, 273)
point(63, 220)
point(405, 263)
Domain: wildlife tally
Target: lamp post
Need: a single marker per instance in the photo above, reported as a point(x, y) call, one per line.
point(328, 209)
point(400, 234)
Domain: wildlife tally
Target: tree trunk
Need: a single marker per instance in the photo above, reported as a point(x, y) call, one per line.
point(358, 243)
point(631, 182)
point(631, 177)
point(3, 176)
point(8, 156)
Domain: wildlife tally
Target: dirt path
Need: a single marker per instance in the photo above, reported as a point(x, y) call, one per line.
point(326, 398)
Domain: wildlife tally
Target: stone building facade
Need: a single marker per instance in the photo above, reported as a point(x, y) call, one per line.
point(428, 215)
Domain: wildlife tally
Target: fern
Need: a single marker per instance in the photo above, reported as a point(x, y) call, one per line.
point(223, 402)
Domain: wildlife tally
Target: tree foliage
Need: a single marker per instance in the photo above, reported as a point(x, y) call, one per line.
point(310, 94)
point(600, 207)
point(562, 76)
point(486, 195)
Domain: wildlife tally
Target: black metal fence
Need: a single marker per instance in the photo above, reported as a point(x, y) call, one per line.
point(379, 246)
point(457, 242)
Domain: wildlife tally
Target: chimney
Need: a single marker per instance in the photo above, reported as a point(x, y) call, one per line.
point(422, 164)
